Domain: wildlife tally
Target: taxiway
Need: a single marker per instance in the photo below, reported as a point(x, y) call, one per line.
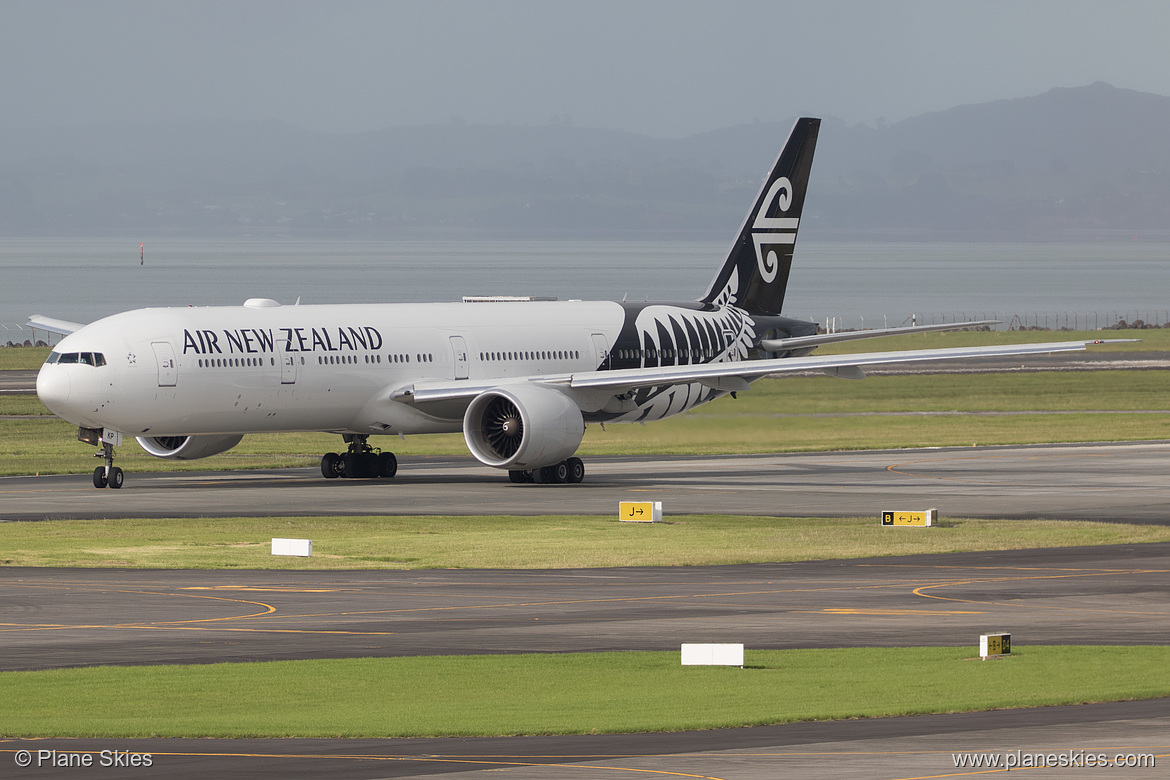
point(1121, 481)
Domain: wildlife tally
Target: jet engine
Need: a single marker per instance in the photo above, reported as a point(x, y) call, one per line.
point(187, 447)
point(522, 427)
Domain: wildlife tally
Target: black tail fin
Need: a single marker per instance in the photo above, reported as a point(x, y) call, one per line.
point(755, 273)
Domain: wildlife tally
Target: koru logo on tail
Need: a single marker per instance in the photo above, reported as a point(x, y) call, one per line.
point(770, 232)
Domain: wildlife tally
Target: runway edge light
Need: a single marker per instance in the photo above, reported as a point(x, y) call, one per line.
point(910, 519)
point(994, 645)
point(640, 511)
point(301, 548)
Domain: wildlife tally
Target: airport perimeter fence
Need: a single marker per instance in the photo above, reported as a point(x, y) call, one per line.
point(1136, 319)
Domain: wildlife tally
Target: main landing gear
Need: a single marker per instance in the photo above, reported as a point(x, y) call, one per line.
point(361, 461)
point(108, 475)
point(569, 471)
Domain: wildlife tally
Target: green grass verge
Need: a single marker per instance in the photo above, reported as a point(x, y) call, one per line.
point(560, 693)
point(22, 358)
point(26, 405)
point(780, 415)
point(543, 542)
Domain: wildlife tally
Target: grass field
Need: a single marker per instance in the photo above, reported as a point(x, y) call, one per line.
point(559, 541)
point(22, 358)
point(560, 693)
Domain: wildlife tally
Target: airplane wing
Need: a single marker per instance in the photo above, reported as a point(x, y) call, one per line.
point(60, 327)
point(731, 376)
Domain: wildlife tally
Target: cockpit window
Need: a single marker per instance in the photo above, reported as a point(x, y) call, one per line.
point(86, 358)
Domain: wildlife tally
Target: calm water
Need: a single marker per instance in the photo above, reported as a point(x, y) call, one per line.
point(859, 284)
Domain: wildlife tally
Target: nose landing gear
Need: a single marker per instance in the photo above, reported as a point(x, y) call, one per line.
point(108, 475)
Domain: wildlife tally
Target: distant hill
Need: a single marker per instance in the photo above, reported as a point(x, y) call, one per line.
point(1071, 164)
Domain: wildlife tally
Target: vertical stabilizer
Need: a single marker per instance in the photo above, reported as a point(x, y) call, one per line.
point(755, 273)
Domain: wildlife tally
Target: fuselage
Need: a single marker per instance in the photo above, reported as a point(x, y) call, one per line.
point(264, 367)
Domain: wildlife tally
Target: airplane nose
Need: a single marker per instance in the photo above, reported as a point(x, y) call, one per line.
point(53, 387)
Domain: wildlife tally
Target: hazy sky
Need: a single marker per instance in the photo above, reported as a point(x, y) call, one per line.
point(664, 67)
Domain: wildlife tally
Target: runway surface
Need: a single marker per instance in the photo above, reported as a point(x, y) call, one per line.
point(1123, 481)
point(887, 748)
point(53, 618)
point(22, 382)
point(60, 618)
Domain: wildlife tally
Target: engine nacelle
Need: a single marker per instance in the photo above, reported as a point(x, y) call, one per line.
point(522, 427)
point(187, 447)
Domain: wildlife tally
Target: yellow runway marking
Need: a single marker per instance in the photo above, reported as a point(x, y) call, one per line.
point(269, 612)
point(272, 590)
point(926, 612)
point(919, 591)
point(268, 609)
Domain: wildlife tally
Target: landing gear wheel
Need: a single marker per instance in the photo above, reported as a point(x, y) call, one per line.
point(576, 470)
point(331, 465)
point(107, 475)
point(360, 465)
point(519, 477)
point(387, 465)
point(360, 461)
point(556, 474)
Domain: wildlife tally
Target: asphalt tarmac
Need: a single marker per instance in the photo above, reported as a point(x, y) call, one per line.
point(878, 749)
point(52, 618)
point(1122, 481)
point(23, 382)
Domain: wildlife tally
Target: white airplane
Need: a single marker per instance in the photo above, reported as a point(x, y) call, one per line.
point(520, 378)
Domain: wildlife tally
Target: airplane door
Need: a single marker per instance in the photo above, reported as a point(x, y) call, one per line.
point(164, 355)
point(601, 347)
point(459, 351)
point(730, 344)
point(288, 367)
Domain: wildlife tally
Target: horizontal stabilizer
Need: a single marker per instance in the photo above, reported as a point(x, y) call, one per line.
point(803, 342)
point(60, 327)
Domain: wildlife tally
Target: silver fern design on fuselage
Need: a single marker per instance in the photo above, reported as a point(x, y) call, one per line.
point(670, 336)
point(677, 334)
